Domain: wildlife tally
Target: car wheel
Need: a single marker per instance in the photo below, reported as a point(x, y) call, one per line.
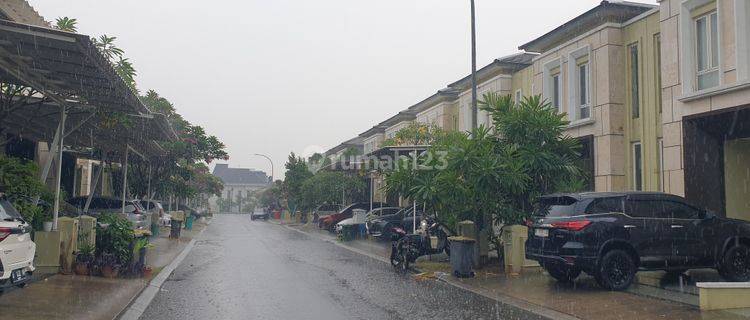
point(616, 270)
point(735, 265)
point(563, 273)
point(22, 285)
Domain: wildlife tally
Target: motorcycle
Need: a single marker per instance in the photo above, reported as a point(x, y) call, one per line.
point(431, 238)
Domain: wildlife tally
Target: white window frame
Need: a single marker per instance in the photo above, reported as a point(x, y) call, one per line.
point(574, 108)
point(688, 52)
point(547, 82)
point(518, 96)
point(712, 66)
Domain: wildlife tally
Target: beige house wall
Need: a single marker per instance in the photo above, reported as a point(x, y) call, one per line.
point(522, 80)
point(682, 100)
point(645, 129)
point(390, 132)
point(373, 142)
point(606, 56)
point(499, 83)
point(443, 115)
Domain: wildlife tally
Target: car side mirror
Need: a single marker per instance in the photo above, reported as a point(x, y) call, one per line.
point(707, 215)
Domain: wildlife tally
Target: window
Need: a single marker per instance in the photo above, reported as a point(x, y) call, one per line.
point(637, 167)
point(519, 94)
point(556, 91)
point(679, 210)
point(657, 70)
point(635, 101)
point(707, 51)
point(583, 91)
point(646, 207)
point(605, 205)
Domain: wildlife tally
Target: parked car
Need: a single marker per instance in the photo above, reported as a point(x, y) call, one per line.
point(367, 216)
point(325, 210)
point(16, 248)
point(154, 208)
point(611, 236)
point(133, 210)
point(382, 226)
point(263, 214)
point(329, 222)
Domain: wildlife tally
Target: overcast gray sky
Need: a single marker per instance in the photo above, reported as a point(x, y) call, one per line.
point(275, 76)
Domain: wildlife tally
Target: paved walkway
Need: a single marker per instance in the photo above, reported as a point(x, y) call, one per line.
point(535, 290)
point(81, 297)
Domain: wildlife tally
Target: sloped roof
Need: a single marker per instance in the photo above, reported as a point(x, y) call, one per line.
point(239, 175)
point(507, 64)
point(21, 11)
point(606, 11)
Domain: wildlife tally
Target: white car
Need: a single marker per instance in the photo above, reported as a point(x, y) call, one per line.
point(16, 248)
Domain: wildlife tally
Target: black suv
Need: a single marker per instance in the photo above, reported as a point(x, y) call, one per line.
point(613, 235)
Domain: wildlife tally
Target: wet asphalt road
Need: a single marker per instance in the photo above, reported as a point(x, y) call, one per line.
point(256, 270)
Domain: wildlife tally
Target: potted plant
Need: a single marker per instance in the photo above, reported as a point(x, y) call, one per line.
point(147, 272)
point(139, 248)
point(109, 266)
point(84, 259)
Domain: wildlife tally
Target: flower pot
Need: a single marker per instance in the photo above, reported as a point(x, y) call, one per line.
point(81, 269)
point(147, 272)
point(110, 272)
point(47, 226)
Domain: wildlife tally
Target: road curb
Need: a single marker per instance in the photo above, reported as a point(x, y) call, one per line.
point(140, 302)
point(532, 311)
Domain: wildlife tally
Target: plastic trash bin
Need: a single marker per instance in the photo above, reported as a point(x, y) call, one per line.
point(462, 256)
point(176, 226)
point(189, 222)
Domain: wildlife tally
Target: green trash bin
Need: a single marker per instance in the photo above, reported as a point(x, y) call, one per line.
point(189, 222)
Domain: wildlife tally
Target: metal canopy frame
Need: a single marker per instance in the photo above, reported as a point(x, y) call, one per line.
point(79, 93)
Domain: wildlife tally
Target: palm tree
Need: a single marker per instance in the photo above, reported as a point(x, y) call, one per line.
point(125, 69)
point(66, 24)
point(107, 46)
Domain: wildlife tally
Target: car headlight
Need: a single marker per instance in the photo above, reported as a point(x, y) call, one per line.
point(423, 225)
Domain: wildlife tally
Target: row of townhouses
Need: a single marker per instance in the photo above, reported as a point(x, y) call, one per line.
point(658, 95)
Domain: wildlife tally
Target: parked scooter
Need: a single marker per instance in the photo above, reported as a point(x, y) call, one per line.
point(431, 238)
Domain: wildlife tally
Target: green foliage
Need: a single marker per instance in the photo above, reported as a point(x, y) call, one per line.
point(484, 175)
point(20, 184)
point(326, 187)
point(66, 24)
point(414, 134)
point(272, 197)
point(296, 174)
point(115, 238)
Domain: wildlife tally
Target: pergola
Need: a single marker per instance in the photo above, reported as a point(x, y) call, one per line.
point(80, 101)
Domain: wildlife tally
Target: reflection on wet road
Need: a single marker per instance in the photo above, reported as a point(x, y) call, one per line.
point(256, 270)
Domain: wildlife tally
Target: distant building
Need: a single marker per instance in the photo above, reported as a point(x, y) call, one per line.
point(239, 184)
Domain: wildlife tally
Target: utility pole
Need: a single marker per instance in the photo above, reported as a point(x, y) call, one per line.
point(474, 111)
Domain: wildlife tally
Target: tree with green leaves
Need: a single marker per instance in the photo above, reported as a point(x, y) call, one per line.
point(296, 174)
point(327, 187)
point(66, 24)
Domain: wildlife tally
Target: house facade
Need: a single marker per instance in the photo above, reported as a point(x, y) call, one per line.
point(705, 87)
point(658, 96)
point(239, 185)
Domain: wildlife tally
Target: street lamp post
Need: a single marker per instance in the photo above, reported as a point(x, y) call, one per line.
point(473, 68)
point(269, 160)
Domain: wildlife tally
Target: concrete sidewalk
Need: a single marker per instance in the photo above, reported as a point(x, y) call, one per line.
point(82, 297)
point(537, 292)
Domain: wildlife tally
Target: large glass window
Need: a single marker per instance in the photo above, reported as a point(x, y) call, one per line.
point(707, 50)
point(583, 91)
point(635, 101)
point(637, 167)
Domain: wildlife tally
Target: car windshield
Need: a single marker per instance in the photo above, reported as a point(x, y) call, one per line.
point(557, 207)
point(7, 211)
